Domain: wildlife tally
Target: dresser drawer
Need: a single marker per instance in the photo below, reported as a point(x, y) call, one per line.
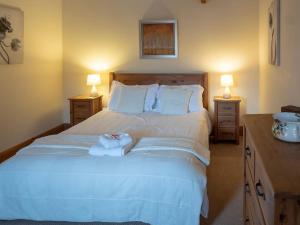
point(226, 108)
point(250, 155)
point(264, 194)
point(226, 121)
point(226, 133)
point(251, 200)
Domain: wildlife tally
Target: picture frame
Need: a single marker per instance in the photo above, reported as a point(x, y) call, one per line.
point(11, 35)
point(158, 39)
point(274, 33)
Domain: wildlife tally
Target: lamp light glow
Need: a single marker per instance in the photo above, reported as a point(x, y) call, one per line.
point(93, 80)
point(227, 82)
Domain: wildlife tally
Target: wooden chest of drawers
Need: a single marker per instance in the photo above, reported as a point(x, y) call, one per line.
point(82, 107)
point(272, 175)
point(227, 119)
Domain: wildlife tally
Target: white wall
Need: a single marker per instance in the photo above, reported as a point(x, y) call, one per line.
point(280, 85)
point(31, 93)
point(220, 36)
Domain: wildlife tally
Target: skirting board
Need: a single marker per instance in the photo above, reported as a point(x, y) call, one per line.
point(6, 154)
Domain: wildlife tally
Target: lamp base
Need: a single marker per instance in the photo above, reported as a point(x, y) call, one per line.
point(94, 92)
point(94, 95)
point(227, 93)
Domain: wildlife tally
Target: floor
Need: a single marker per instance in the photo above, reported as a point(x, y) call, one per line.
point(225, 189)
point(225, 185)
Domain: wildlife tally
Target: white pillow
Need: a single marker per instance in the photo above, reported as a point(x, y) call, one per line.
point(196, 102)
point(150, 96)
point(149, 100)
point(131, 100)
point(114, 95)
point(175, 101)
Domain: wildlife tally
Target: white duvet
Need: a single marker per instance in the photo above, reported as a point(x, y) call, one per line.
point(67, 184)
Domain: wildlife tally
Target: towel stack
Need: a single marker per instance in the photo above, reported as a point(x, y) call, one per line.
point(112, 145)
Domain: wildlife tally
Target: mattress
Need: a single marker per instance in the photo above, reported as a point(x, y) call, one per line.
point(155, 187)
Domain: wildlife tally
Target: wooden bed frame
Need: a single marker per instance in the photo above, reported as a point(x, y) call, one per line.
point(163, 79)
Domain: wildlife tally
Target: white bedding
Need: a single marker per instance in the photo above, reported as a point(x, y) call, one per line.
point(67, 184)
point(196, 126)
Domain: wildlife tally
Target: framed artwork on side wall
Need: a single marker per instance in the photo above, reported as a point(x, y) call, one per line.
point(158, 39)
point(11, 35)
point(274, 32)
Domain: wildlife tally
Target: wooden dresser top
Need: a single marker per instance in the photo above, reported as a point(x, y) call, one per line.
point(281, 160)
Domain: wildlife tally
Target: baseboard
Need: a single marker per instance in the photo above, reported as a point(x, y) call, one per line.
point(6, 154)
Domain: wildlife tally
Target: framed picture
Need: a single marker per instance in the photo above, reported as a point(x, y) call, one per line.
point(158, 39)
point(11, 35)
point(274, 33)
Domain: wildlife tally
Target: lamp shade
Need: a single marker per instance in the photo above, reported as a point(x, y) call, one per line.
point(226, 80)
point(93, 79)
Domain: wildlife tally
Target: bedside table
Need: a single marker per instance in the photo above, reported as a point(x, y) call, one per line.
point(227, 119)
point(83, 107)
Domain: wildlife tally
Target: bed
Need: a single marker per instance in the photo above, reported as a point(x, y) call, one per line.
point(46, 183)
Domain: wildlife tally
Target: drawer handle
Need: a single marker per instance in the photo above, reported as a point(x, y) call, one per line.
point(259, 190)
point(247, 188)
point(247, 221)
point(282, 218)
point(248, 151)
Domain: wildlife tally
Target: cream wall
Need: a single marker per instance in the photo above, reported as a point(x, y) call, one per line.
point(31, 93)
point(217, 37)
point(280, 85)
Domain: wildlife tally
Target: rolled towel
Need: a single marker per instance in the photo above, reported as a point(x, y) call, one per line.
point(115, 140)
point(100, 150)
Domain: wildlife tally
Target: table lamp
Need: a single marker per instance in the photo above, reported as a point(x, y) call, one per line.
point(227, 82)
point(93, 80)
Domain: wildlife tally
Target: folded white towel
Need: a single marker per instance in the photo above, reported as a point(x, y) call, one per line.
point(100, 150)
point(115, 140)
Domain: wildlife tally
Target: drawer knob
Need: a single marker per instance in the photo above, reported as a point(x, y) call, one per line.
point(247, 221)
point(248, 151)
point(259, 190)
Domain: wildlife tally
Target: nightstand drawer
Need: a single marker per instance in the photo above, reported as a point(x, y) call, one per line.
point(226, 133)
point(82, 112)
point(81, 105)
point(81, 115)
point(226, 108)
point(78, 120)
point(226, 121)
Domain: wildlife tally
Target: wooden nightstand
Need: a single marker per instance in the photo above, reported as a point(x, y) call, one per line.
point(83, 107)
point(227, 119)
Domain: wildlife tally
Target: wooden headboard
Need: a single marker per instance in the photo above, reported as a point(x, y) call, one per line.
point(163, 79)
